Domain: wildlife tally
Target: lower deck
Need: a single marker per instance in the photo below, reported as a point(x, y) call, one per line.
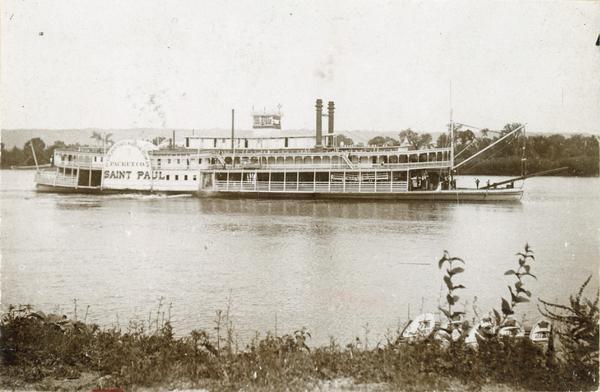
point(330, 181)
point(416, 184)
point(352, 184)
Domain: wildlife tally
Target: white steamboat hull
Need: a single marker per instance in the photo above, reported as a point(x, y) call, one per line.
point(107, 191)
point(456, 195)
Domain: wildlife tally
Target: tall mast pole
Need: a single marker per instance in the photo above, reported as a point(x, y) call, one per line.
point(34, 157)
point(451, 140)
point(524, 154)
point(451, 136)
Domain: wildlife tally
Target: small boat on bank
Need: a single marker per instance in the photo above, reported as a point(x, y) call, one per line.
point(511, 328)
point(420, 328)
point(540, 332)
point(449, 332)
point(484, 330)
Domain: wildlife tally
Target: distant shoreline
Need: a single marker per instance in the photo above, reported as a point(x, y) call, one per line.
point(578, 152)
point(17, 137)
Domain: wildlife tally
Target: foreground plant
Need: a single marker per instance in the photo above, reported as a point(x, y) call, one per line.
point(35, 347)
point(519, 294)
point(578, 331)
point(454, 316)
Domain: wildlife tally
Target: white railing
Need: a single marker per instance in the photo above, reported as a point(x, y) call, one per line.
point(327, 152)
point(311, 186)
point(83, 149)
point(79, 163)
point(331, 166)
point(52, 178)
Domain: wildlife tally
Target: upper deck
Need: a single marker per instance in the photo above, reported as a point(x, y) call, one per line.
point(87, 157)
point(268, 159)
point(350, 158)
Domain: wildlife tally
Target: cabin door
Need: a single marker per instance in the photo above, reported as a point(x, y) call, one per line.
point(84, 178)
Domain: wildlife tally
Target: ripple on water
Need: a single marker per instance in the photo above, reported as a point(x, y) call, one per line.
point(331, 266)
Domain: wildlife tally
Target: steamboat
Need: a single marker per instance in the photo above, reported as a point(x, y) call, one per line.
point(264, 164)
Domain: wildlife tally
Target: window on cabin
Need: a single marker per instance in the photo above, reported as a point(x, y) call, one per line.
point(178, 161)
point(195, 178)
point(176, 177)
point(185, 177)
point(168, 177)
point(169, 160)
point(199, 161)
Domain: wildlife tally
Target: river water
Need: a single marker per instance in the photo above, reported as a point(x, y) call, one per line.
point(341, 269)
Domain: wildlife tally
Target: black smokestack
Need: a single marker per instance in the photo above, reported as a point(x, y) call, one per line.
point(330, 110)
point(319, 106)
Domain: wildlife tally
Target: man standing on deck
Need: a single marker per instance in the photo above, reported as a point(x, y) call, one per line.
point(477, 183)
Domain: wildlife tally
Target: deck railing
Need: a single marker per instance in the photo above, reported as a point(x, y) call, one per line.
point(311, 186)
point(86, 162)
point(331, 166)
point(84, 149)
point(52, 178)
point(325, 152)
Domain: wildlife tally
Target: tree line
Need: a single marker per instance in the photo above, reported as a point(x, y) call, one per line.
point(578, 153)
point(24, 156)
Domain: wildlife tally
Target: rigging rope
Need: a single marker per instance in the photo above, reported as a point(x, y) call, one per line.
point(507, 144)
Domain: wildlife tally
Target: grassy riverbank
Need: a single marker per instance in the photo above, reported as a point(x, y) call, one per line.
point(51, 352)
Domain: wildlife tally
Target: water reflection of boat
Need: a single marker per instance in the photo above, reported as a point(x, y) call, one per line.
point(381, 213)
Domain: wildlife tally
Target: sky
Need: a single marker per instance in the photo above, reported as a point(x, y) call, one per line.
point(388, 65)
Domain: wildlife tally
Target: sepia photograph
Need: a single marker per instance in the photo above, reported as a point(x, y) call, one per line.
point(333, 195)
